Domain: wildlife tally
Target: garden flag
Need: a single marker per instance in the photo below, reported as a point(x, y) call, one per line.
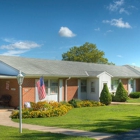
point(41, 88)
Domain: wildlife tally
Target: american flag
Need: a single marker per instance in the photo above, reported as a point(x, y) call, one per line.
point(41, 88)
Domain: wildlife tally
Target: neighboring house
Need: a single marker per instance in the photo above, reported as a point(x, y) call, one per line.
point(64, 80)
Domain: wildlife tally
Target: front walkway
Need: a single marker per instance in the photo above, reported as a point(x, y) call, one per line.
point(6, 121)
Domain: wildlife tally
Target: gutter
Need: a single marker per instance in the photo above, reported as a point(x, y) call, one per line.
point(66, 88)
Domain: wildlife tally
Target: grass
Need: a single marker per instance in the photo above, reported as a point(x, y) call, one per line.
point(10, 133)
point(111, 119)
point(133, 100)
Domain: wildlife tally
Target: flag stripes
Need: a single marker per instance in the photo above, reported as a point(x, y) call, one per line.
point(41, 88)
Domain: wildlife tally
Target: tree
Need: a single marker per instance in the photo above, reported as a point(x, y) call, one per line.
point(121, 93)
point(86, 53)
point(105, 97)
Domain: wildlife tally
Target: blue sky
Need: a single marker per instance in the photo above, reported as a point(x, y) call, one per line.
point(48, 28)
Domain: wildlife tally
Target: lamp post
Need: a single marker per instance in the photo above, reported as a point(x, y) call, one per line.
point(20, 78)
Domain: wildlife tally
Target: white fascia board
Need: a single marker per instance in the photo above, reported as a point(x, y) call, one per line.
point(104, 73)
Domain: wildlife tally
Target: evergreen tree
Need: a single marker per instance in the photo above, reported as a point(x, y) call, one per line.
point(121, 93)
point(105, 97)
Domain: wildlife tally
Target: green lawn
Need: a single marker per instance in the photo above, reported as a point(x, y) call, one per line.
point(112, 119)
point(133, 100)
point(10, 133)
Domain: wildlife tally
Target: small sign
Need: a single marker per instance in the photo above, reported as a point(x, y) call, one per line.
point(13, 89)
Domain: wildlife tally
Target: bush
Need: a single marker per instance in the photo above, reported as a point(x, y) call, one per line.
point(87, 103)
point(113, 97)
point(121, 93)
point(74, 102)
point(53, 109)
point(105, 97)
point(40, 106)
point(134, 95)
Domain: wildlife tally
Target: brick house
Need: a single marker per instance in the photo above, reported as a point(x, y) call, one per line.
point(64, 80)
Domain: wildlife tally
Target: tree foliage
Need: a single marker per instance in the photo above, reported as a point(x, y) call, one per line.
point(105, 97)
point(86, 53)
point(121, 93)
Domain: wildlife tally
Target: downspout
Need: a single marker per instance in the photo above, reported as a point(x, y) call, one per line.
point(66, 88)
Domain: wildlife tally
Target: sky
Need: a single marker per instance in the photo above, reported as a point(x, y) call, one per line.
point(48, 28)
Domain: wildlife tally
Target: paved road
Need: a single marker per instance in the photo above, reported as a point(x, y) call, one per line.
point(131, 135)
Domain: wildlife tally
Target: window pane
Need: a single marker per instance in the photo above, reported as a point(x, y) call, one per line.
point(83, 89)
point(46, 85)
point(114, 84)
point(92, 87)
point(54, 86)
point(83, 85)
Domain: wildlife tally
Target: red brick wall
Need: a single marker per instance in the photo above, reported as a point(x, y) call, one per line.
point(125, 83)
point(13, 90)
point(28, 90)
point(137, 84)
point(72, 89)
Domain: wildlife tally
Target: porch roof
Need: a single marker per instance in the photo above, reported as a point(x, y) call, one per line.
point(38, 67)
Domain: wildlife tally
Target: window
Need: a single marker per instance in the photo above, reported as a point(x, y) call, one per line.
point(46, 86)
point(114, 84)
point(83, 85)
point(53, 86)
point(132, 83)
point(92, 87)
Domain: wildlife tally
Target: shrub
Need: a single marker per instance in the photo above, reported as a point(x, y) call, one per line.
point(105, 97)
point(40, 106)
point(74, 102)
point(113, 97)
point(121, 93)
point(57, 109)
point(134, 95)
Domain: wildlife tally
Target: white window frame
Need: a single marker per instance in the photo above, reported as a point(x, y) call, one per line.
point(48, 86)
point(114, 84)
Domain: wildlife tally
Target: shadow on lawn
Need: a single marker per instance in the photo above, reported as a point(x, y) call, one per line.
point(117, 126)
point(109, 126)
point(42, 136)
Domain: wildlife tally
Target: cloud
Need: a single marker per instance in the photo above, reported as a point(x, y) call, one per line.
point(66, 32)
point(118, 23)
point(116, 5)
point(14, 52)
point(97, 29)
point(18, 47)
point(122, 10)
point(109, 31)
point(119, 56)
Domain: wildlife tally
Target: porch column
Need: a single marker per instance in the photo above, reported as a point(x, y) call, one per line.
point(79, 88)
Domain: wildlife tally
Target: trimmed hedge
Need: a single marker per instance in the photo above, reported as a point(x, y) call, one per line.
point(121, 93)
point(76, 103)
point(134, 95)
point(105, 97)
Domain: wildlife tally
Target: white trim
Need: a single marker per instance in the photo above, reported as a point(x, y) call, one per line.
point(60, 90)
point(104, 73)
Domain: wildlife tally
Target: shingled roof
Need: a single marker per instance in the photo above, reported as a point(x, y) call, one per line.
point(33, 66)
